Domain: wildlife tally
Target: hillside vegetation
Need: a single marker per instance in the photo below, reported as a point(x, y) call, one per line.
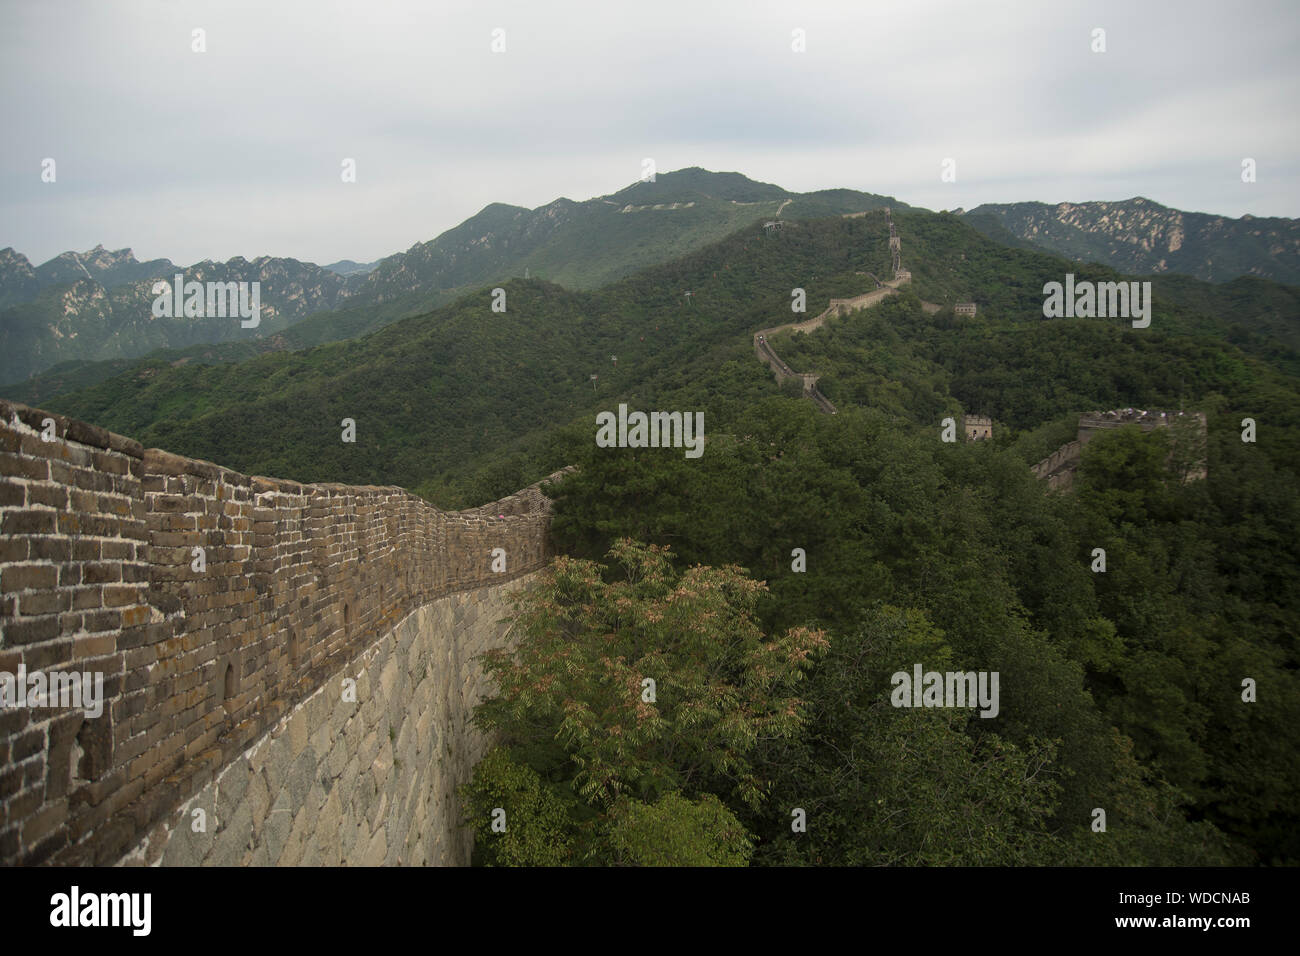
point(1121, 690)
point(96, 306)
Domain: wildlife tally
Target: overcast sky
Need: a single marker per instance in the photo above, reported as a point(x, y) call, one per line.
point(238, 150)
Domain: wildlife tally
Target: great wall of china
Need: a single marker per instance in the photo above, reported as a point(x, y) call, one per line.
point(289, 669)
point(763, 348)
point(1058, 468)
point(300, 693)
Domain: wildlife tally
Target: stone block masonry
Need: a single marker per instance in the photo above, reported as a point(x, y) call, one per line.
point(367, 779)
point(205, 669)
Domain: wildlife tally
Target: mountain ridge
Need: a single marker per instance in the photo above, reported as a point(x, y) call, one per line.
point(1140, 235)
point(580, 244)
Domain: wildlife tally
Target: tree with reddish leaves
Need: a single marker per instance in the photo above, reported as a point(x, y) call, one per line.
point(635, 687)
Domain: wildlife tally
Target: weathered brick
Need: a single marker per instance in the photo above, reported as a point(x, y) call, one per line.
point(15, 549)
point(88, 480)
point(84, 433)
point(44, 602)
point(135, 616)
point(50, 653)
point(45, 850)
point(27, 744)
point(175, 504)
point(98, 525)
point(9, 843)
point(83, 550)
point(87, 598)
point(44, 822)
point(93, 645)
point(110, 463)
point(135, 573)
point(11, 780)
point(121, 594)
point(51, 496)
point(51, 549)
point(22, 577)
point(173, 539)
point(116, 550)
point(31, 632)
point(29, 522)
point(101, 572)
point(22, 466)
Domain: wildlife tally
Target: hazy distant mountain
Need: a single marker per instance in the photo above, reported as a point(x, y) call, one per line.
point(584, 245)
point(87, 319)
point(1140, 236)
point(20, 282)
point(95, 305)
point(529, 371)
point(346, 267)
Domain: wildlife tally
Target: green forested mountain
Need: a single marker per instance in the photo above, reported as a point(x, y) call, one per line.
point(1121, 690)
point(60, 333)
point(323, 327)
point(582, 245)
point(85, 319)
point(429, 393)
point(1141, 236)
point(60, 312)
point(550, 340)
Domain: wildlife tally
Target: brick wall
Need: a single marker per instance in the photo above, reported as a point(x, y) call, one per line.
point(1059, 467)
point(361, 776)
point(1066, 454)
point(97, 539)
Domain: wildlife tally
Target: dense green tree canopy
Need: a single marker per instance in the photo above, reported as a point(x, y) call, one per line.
point(635, 697)
point(1121, 689)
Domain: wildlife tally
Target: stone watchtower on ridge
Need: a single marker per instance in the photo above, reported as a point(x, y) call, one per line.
point(978, 427)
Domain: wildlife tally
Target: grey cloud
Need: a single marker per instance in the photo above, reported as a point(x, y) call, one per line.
point(237, 151)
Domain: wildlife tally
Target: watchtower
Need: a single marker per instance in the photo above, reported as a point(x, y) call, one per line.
point(978, 427)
